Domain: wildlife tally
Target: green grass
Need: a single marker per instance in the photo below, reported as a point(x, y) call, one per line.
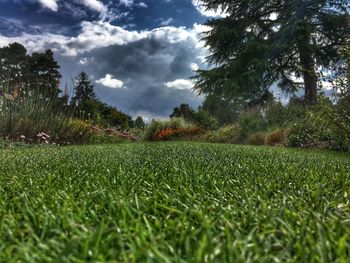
point(174, 202)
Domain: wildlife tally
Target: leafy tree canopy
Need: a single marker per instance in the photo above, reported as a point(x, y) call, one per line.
point(37, 73)
point(261, 42)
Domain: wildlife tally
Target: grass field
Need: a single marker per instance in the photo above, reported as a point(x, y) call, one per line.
point(174, 202)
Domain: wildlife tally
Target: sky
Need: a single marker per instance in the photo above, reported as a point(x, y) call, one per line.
point(140, 54)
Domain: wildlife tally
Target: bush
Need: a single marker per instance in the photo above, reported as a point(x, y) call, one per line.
point(275, 138)
point(251, 121)
point(324, 126)
point(34, 120)
point(257, 139)
point(27, 117)
point(278, 115)
point(74, 131)
point(228, 134)
point(157, 126)
point(179, 133)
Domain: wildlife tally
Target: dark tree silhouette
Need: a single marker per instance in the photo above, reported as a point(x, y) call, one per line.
point(260, 43)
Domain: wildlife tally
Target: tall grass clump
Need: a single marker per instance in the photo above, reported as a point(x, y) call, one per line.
point(35, 120)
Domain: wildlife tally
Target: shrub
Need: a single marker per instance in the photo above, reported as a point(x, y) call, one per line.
point(251, 121)
point(74, 131)
point(157, 126)
point(275, 138)
point(228, 134)
point(257, 139)
point(325, 126)
point(35, 120)
point(28, 117)
point(170, 133)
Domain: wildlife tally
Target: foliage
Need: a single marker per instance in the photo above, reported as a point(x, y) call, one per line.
point(28, 117)
point(225, 111)
point(88, 107)
point(257, 139)
point(156, 126)
point(178, 133)
point(276, 137)
point(106, 139)
point(200, 118)
point(251, 121)
point(278, 115)
point(74, 131)
point(227, 134)
point(84, 91)
point(325, 126)
point(139, 123)
point(31, 75)
point(260, 43)
point(173, 202)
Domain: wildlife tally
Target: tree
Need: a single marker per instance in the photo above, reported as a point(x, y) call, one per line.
point(184, 111)
point(139, 123)
point(13, 60)
point(30, 74)
point(43, 74)
point(225, 111)
point(84, 90)
point(260, 43)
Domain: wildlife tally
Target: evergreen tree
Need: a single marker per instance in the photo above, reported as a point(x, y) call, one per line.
point(184, 111)
point(84, 90)
point(260, 43)
point(43, 74)
point(223, 110)
point(13, 61)
point(139, 123)
point(30, 74)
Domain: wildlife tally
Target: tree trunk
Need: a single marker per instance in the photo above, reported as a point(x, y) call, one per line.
point(307, 61)
point(309, 74)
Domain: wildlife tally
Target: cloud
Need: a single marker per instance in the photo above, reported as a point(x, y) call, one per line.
point(50, 4)
point(208, 13)
point(99, 34)
point(95, 5)
point(194, 66)
point(126, 2)
point(182, 84)
point(166, 22)
point(142, 4)
point(110, 82)
point(154, 65)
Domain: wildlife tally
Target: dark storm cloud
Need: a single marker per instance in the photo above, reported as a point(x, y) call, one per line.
point(135, 65)
point(144, 66)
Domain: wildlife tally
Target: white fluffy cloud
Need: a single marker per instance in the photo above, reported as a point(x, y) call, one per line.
point(95, 5)
point(110, 82)
point(99, 34)
point(182, 84)
point(127, 2)
point(50, 4)
point(209, 13)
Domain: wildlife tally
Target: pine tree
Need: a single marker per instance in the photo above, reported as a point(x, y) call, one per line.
point(43, 74)
point(139, 123)
point(84, 90)
point(260, 43)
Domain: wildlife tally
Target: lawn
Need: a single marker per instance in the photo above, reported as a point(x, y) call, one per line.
point(174, 202)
